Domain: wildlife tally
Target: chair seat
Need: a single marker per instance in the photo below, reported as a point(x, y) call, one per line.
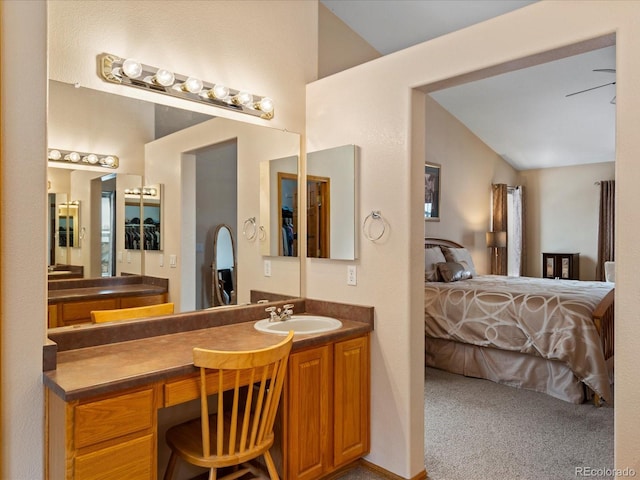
point(186, 440)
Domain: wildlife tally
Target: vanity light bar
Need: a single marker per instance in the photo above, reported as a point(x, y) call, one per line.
point(127, 71)
point(148, 191)
point(71, 156)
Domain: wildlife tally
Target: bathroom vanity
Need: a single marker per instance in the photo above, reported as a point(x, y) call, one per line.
point(71, 302)
point(103, 398)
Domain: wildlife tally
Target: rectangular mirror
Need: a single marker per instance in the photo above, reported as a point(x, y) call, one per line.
point(279, 207)
point(227, 191)
point(69, 224)
point(331, 203)
point(143, 218)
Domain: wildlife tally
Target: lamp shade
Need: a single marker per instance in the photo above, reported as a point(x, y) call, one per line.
point(496, 239)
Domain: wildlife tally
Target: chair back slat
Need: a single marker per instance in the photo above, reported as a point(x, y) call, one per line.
point(220, 416)
point(251, 426)
point(233, 425)
point(247, 416)
point(204, 413)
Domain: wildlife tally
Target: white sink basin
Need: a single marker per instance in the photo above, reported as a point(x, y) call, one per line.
point(299, 324)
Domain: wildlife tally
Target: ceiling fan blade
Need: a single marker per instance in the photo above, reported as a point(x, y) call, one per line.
point(589, 89)
point(607, 70)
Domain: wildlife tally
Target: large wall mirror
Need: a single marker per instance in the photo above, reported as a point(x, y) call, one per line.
point(211, 178)
point(331, 203)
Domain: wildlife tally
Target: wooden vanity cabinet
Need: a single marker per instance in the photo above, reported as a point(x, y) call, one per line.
point(109, 437)
point(65, 313)
point(327, 402)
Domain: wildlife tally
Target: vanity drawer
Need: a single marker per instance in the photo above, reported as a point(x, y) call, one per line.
point(74, 312)
point(143, 300)
point(129, 460)
point(188, 388)
point(113, 417)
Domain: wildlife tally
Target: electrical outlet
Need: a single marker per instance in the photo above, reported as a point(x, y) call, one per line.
point(352, 277)
point(128, 256)
point(267, 268)
point(161, 260)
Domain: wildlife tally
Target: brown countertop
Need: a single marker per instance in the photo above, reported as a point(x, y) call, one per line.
point(93, 293)
point(86, 372)
point(105, 287)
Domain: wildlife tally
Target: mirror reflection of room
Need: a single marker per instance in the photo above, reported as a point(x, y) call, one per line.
point(331, 203)
point(288, 208)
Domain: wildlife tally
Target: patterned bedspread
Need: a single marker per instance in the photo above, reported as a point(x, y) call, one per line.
point(548, 318)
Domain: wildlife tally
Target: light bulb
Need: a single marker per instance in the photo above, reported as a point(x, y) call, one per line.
point(266, 105)
point(132, 68)
point(108, 160)
point(164, 77)
point(192, 85)
point(218, 91)
point(243, 98)
point(153, 192)
point(54, 155)
point(73, 157)
point(92, 158)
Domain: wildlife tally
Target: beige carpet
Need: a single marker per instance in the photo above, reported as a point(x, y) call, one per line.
point(477, 429)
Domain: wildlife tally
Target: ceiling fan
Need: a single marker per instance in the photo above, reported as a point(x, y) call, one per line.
point(605, 70)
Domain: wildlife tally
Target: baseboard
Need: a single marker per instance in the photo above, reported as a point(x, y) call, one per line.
point(389, 475)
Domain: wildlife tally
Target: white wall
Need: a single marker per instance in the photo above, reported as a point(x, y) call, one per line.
point(392, 159)
point(469, 167)
point(562, 206)
point(242, 58)
point(339, 47)
point(91, 121)
point(24, 254)
point(169, 161)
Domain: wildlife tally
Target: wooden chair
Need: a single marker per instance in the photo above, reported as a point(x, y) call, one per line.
point(100, 316)
point(243, 431)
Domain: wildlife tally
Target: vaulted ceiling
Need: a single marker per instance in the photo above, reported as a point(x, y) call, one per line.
point(525, 115)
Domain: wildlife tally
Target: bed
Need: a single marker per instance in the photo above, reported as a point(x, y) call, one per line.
point(551, 336)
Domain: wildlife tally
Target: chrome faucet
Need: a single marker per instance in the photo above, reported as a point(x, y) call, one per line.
point(277, 314)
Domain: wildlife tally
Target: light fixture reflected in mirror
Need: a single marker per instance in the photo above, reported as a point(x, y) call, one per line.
point(71, 156)
point(133, 73)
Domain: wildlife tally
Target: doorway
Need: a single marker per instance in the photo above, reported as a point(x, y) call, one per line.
point(538, 227)
point(318, 216)
point(216, 203)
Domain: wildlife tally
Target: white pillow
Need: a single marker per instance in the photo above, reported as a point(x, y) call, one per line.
point(460, 255)
point(432, 256)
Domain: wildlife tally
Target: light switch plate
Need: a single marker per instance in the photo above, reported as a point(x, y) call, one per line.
point(173, 261)
point(352, 277)
point(267, 268)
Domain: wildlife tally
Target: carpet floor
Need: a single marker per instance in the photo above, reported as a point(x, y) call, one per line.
point(477, 429)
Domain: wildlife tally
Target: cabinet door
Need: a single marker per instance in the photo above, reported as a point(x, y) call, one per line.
point(351, 400)
point(308, 450)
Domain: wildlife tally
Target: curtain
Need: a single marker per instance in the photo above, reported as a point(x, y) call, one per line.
point(517, 237)
point(606, 226)
point(499, 224)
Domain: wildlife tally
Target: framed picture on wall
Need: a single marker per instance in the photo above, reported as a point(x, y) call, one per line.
point(431, 192)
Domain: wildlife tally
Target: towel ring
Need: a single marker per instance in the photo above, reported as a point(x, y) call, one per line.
point(374, 216)
point(249, 229)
